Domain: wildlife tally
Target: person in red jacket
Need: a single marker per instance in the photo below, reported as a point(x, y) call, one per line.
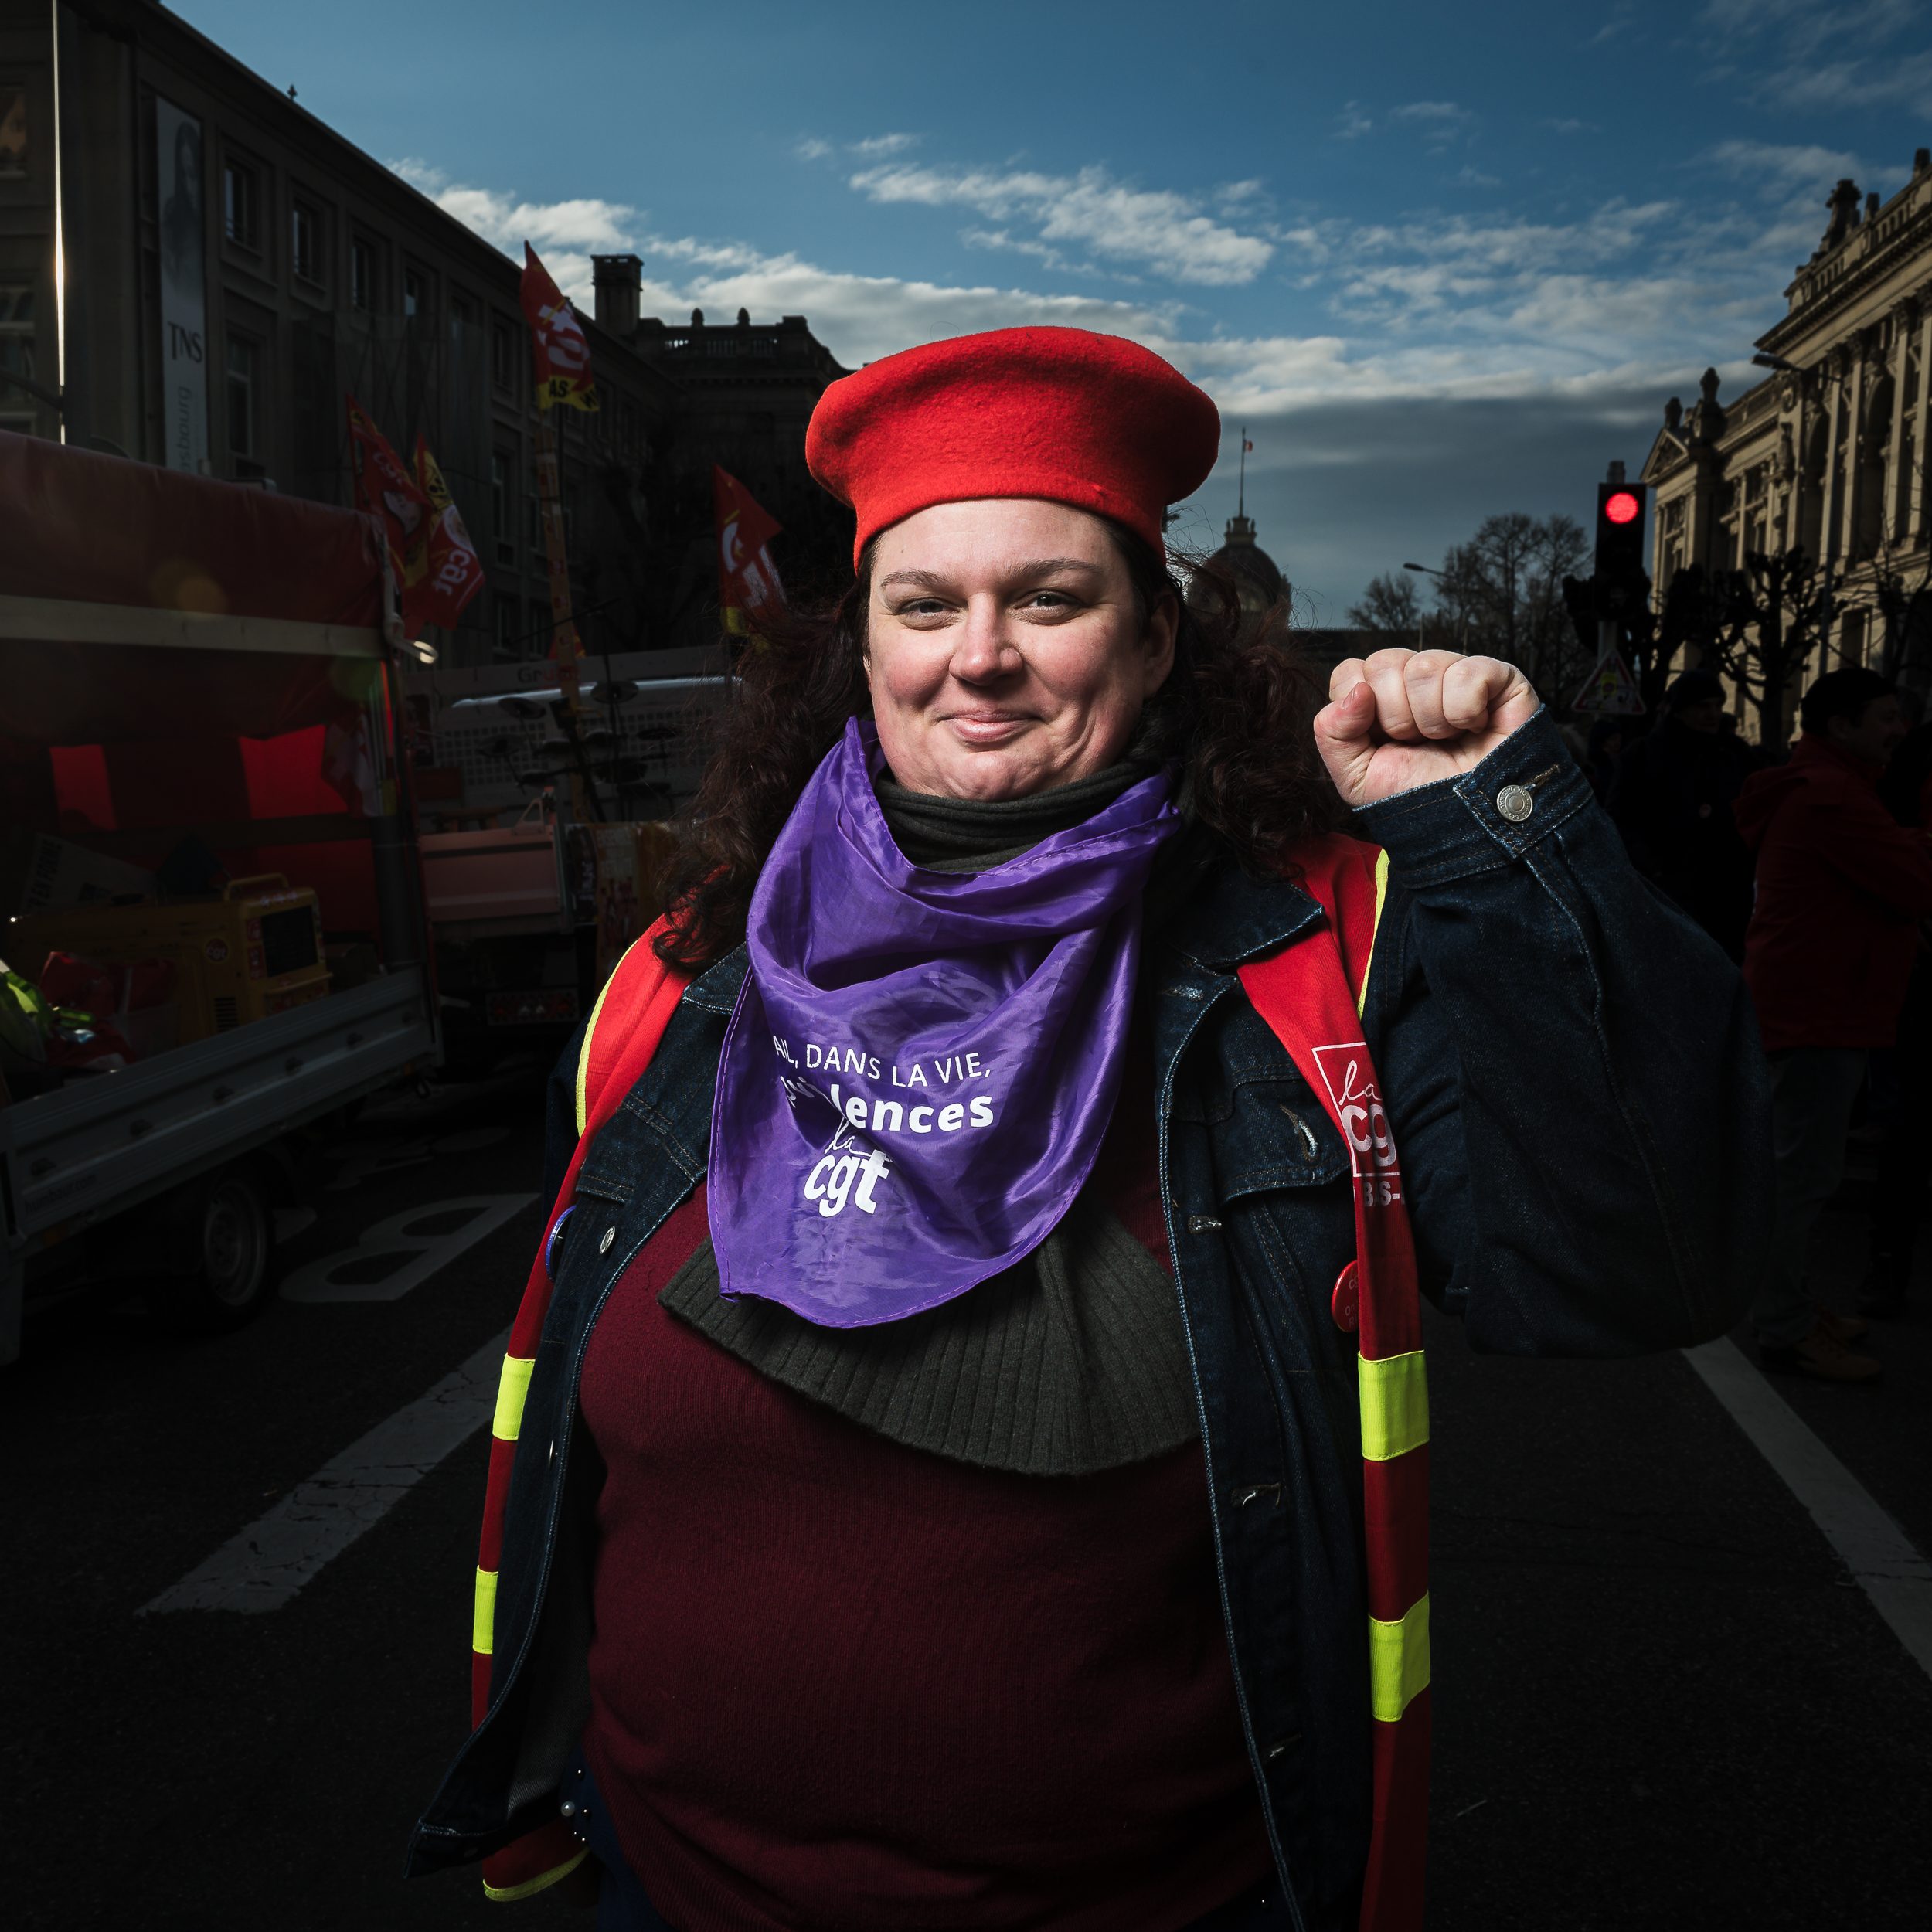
point(1841, 887)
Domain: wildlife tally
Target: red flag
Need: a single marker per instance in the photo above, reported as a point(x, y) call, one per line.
point(747, 578)
point(384, 488)
point(444, 572)
point(557, 338)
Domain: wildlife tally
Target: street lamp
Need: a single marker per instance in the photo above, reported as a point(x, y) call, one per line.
point(1765, 359)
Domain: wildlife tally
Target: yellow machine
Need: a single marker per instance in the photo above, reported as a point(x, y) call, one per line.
point(257, 949)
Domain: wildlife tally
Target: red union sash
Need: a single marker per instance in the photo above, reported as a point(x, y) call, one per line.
point(642, 994)
point(1311, 995)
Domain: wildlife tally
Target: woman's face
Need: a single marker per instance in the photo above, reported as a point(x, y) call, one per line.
point(1004, 651)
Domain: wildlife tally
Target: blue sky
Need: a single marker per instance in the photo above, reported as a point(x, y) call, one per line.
point(1443, 260)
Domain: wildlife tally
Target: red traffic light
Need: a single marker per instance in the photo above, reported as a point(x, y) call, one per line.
point(1622, 507)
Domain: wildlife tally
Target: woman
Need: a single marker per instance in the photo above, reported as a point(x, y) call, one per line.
point(939, 1496)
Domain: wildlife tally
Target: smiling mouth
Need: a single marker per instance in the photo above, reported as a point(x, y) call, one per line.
point(986, 726)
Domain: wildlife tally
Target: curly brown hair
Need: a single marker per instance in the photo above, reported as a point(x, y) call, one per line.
point(1235, 709)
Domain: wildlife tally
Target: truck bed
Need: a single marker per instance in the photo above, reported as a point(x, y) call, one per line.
point(72, 1158)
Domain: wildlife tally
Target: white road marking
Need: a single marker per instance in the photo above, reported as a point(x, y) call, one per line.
point(420, 1252)
point(266, 1563)
point(1876, 1551)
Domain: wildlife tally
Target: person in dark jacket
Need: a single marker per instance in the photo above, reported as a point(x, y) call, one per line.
point(1607, 737)
point(805, 1609)
point(1905, 1153)
point(1672, 799)
point(1841, 888)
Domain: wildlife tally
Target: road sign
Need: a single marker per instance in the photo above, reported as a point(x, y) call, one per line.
point(1610, 688)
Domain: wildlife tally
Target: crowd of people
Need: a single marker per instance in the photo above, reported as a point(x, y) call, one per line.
point(1814, 871)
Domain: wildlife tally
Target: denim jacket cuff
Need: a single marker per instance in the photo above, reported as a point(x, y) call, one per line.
point(1521, 793)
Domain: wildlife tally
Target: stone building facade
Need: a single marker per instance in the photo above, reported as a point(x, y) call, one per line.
point(1828, 453)
point(195, 270)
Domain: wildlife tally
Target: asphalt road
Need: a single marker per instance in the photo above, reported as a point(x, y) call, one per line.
point(1660, 1700)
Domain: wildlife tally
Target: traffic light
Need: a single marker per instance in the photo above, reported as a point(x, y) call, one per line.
point(1620, 579)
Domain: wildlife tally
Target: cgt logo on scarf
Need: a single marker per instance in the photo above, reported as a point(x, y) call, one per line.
point(1349, 1076)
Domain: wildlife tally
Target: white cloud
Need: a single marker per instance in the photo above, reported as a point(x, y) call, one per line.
point(1471, 178)
point(1823, 57)
point(1165, 232)
point(880, 145)
point(1491, 350)
point(1803, 26)
point(1865, 82)
point(566, 233)
point(814, 150)
point(1354, 123)
point(1781, 167)
point(1441, 123)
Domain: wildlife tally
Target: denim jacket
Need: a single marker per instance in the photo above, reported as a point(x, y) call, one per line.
point(1580, 1100)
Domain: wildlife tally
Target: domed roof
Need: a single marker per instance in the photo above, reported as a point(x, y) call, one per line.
point(1255, 573)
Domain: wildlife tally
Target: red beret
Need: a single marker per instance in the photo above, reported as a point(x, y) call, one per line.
point(1096, 421)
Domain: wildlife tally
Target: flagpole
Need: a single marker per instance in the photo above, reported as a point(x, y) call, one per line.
point(563, 632)
point(1241, 508)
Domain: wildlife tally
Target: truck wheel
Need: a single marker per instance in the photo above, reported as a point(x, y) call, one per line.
point(232, 1238)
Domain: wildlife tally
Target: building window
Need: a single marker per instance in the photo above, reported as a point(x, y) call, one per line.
point(503, 358)
point(241, 398)
point(720, 345)
point(763, 345)
point(361, 275)
point(13, 128)
point(241, 204)
point(305, 242)
point(500, 467)
point(416, 295)
point(509, 627)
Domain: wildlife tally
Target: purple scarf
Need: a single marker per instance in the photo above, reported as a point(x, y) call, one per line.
point(922, 1065)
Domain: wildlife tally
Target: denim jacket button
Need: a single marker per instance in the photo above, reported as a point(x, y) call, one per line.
point(609, 1235)
point(1515, 803)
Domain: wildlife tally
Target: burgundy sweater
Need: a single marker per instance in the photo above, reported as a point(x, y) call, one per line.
point(839, 1685)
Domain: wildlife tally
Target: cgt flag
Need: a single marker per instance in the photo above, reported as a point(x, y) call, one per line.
point(443, 570)
point(556, 336)
point(384, 488)
point(747, 578)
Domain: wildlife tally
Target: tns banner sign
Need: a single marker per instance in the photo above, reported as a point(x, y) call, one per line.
point(184, 327)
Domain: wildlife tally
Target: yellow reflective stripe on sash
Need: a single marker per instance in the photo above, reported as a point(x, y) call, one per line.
point(583, 1054)
point(1382, 893)
point(509, 1894)
point(510, 1393)
point(1398, 1661)
point(1395, 1405)
point(484, 1625)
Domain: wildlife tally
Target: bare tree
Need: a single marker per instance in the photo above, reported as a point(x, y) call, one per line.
point(1502, 593)
point(1758, 626)
point(1389, 607)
